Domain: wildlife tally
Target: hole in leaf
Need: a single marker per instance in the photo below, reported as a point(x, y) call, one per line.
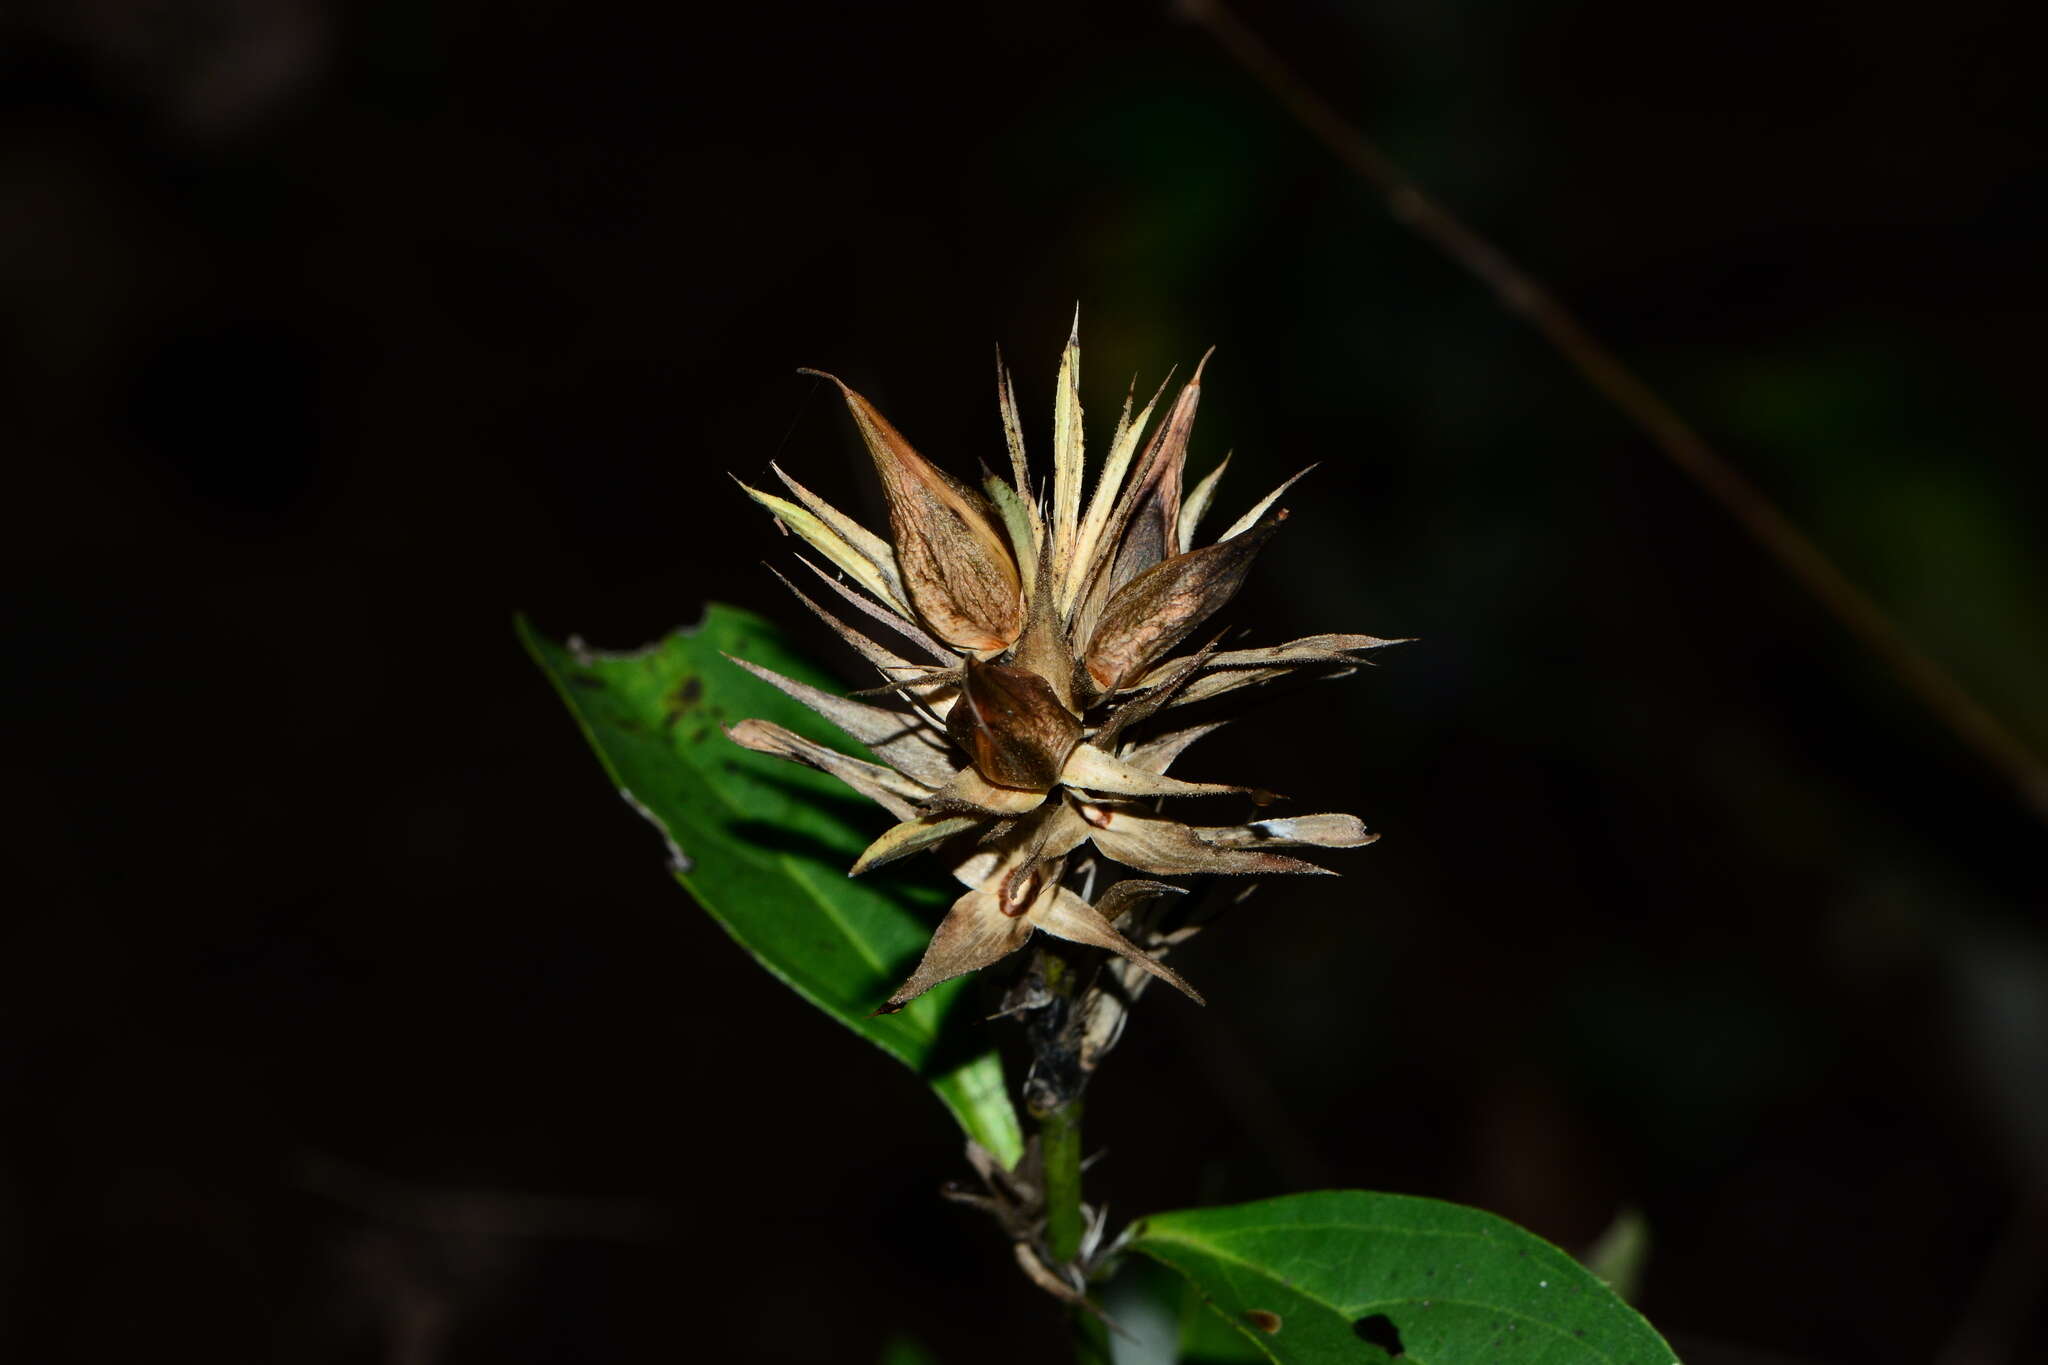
point(1265, 1321)
point(1379, 1330)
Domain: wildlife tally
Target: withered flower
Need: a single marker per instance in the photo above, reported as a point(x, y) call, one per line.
point(1037, 719)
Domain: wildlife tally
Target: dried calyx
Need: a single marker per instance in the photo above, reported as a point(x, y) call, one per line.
point(1028, 729)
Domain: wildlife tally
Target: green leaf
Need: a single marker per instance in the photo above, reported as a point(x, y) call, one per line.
point(1208, 1338)
point(764, 845)
point(1348, 1276)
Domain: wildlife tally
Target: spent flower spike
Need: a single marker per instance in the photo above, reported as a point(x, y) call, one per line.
point(1030, 728)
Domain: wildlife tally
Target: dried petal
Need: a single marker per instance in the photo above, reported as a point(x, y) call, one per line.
point(920, 676)
point(975, 933)
point(897, 738)
point(1160, 607)
point(1157, 754)
point(1154, 697)
point(1091, 769)
point(1293, 831)
point(1053, 831)
point(975, 868)
point(828, 543)
point(899, 622)
point(1167, 848)
point(1011, 726)
point(1067, 456)
point(935, 696)
point(1052, 834)
point(1148, 531)
point(1308, 650)
point(890, 789)
point(1065, 915)
point(900, 841)
point(1013, 430)
point(969, 791)
point(1251, 518)
point(865, 543)
point(1108, 485)
point(1020, 523)
point(956, 566)
point(994, 918)
point(1129, 894)
point(1234, 679)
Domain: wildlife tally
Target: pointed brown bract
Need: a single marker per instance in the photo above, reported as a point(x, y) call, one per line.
point(1065, 915)
point(1151, 530)
point(974, 934)
point(886, 787)
point(956, 565)
point(1168, 848)
point(1032, 752)
point(1162, 606)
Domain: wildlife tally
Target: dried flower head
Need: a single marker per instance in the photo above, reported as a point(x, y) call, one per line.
point(1039, 722)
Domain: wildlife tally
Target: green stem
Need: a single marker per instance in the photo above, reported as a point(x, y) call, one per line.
point(1059, 1144)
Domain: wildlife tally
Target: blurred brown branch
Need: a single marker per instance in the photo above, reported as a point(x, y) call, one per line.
point(1934, 685)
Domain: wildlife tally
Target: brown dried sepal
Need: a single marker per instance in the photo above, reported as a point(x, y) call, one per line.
point(1012, 727)
point(955, 562)
point(1152, 535)
point(1168, 848)
point(1160, 607)
point(974, 934)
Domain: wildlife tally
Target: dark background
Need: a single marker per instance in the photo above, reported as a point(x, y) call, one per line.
point(348, 1014)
